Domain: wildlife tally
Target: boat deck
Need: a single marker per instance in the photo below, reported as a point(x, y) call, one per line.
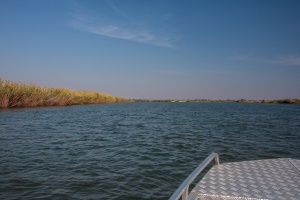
point(251, 180)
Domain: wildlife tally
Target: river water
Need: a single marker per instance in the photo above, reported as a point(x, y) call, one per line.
point(133, 150)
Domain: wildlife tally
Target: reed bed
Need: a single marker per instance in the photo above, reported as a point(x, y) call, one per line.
point(15, 94)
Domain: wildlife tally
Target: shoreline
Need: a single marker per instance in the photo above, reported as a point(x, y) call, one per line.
point(282, 101)
point(23, 95)
point(20, 95)
point(276, 101)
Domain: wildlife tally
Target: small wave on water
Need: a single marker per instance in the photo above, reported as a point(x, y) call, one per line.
point(133, 150)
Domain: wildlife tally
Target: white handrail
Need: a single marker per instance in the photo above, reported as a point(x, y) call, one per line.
point(183, 190)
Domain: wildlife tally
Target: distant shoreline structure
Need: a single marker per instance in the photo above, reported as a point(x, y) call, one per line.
point(278, 101)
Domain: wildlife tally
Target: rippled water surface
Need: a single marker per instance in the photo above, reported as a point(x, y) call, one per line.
point(133, 150)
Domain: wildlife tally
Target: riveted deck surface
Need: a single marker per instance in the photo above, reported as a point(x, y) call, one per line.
point(251, 180)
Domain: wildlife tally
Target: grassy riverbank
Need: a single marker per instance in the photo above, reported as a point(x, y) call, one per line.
point(14, 94)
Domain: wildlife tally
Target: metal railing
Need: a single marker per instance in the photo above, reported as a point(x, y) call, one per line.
point(183, 190)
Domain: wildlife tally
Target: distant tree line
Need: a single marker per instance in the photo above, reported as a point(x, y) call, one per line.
point(282, 101)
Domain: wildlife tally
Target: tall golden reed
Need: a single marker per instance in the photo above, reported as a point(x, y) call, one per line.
point(15, 94)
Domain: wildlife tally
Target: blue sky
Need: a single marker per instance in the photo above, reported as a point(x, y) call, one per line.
point(158, 49)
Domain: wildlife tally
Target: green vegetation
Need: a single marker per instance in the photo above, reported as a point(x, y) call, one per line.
point(290, 101)
point(14, 94)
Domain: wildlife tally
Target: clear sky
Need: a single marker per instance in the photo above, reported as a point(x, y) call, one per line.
point(156, 49)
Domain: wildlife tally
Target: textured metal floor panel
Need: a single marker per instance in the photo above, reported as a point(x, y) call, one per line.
point(251, 180)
